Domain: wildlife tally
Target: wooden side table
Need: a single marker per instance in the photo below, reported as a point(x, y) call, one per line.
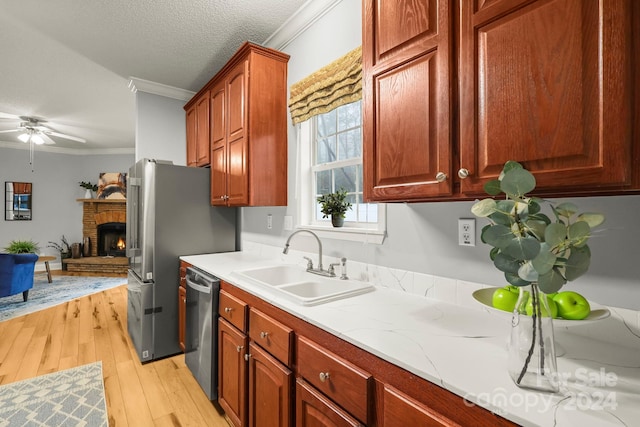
point(46, 260)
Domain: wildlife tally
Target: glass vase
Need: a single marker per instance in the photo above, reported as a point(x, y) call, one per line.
point(532, 353)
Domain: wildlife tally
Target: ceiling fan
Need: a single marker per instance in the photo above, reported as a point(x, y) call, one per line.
point(34, 131)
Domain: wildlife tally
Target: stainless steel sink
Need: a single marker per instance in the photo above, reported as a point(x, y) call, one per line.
point(302, 287)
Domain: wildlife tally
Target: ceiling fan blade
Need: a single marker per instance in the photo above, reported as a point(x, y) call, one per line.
point(9, 116)
point(10, 130)
point(46, 139)
point(72, 138)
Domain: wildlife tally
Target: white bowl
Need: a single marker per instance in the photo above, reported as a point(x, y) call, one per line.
point(485, 297)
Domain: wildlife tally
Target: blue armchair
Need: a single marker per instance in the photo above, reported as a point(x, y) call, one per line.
point(16, 274)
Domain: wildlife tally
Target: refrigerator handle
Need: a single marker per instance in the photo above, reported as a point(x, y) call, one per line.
point(134, 212)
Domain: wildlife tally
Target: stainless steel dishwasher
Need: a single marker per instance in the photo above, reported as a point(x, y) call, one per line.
point(201, 337)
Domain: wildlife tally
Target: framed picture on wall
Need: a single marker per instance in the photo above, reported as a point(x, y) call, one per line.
point(112, 185)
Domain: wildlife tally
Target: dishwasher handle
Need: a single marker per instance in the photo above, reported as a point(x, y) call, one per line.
point(200, 288)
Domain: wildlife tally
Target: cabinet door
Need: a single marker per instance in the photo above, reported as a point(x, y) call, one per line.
point(218, 145)
point(232, 372)
point(237, 179)
point(192, 158)
point(315, 410)
point(546, 83)
point(270, 390)
point(406, 72)
point(202, 130)
point(182, 315)
point(400, 410)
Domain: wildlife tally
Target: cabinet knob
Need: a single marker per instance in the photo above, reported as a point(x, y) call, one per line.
point(239, 348)
point(263, 335)
point(228, 309)
point(247, 356)
point(463, 173)
point(222, 197)
point(324, 376)
point(441, 177)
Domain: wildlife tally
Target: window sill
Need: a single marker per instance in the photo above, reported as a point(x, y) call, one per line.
point(351, 234)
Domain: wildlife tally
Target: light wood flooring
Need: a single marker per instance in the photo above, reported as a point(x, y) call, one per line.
point(92, 328)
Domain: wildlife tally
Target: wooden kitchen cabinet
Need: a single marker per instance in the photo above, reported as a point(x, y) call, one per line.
point(182, 304)
point(315, 409)
point(232, 372)
point(255, 384)
point(197, 122)
point(406, 58)
point(247, 127)
point(270, 390)
point(547, 83)
point(360, 389)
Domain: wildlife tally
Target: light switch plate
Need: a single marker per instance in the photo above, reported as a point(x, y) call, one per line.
point(288, 222)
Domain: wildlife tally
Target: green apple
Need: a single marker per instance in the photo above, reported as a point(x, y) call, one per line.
point(572, 305)
point(505, 298)
point(553, 307)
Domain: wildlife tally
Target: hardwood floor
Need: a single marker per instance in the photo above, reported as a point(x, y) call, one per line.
point(92, 328)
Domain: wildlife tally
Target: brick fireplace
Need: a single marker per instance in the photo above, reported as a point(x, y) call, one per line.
point(106, 213)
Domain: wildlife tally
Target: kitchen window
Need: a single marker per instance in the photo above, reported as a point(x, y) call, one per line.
point(330, 159)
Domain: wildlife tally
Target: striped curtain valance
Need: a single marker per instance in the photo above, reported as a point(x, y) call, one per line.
point(336, 84)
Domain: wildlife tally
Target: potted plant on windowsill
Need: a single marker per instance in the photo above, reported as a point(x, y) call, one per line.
point(334, 205)
point(539, 255)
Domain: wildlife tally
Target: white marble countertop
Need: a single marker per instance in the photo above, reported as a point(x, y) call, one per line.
point(463, 349)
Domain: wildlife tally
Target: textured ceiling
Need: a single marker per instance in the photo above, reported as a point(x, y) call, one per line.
point(69, 61)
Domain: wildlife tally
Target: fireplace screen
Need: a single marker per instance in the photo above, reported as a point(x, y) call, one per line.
point(111, 239)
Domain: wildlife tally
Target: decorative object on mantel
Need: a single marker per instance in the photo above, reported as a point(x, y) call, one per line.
point(112, 185)
point(334, 205)
point(539, 256)
point(89, 187)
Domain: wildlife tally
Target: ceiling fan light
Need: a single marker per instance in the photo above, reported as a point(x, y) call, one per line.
point(37, 139)
point(24, 137)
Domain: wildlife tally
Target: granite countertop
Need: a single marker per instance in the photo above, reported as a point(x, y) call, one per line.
point(463, 349)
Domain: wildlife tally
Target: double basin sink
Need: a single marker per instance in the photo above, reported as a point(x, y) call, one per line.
point(305, 288)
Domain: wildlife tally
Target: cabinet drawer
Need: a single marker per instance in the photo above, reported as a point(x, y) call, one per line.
point(271, 335)
point(233, 310)
point(401, 410)
point(344, 383)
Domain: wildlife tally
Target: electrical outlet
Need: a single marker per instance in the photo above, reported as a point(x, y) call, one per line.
point(467, 232)
point(288, 222)
point(269, 222)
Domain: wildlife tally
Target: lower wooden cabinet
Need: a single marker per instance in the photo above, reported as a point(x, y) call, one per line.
point(232, 372)
point(315, 409)
point(399, 410)
point(270, 390)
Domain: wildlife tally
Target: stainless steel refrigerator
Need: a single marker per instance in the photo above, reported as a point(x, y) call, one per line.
point(168, 215)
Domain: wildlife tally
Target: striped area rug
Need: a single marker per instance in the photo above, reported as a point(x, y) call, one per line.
point(73, 397)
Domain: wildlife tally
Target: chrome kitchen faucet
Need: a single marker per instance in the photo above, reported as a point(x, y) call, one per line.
point(310, 268)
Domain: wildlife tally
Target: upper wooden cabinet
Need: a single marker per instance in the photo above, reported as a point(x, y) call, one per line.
point(247, 128)
point(407, 114)
point(197, 116)
point(547, 83)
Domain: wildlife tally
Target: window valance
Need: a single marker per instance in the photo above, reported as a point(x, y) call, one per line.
point(336, 84)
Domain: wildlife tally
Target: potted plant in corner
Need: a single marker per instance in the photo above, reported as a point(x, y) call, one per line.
point(89, 189)
point(539, 256)
point(334, 205)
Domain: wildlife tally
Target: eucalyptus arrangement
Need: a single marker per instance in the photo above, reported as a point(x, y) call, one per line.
point(334, 205)
point(22, 247)
point(539, 255)
point(527, 245)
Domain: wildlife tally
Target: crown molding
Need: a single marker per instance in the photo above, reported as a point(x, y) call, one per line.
point(64, 150)
point(307, 15)
point(136, 84)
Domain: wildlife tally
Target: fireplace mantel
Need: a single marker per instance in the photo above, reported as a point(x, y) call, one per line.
point(117, 201)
